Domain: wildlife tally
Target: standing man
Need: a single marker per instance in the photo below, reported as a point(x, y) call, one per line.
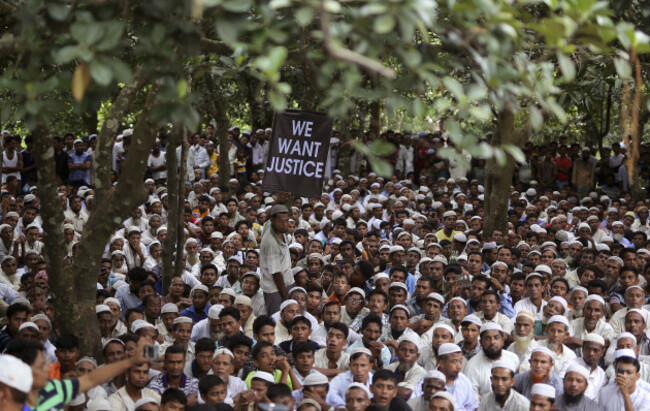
point(275, 261)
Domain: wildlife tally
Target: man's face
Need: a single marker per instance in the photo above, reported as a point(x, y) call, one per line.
point(67, 356)
point(407, 353)
point(114, 352)
point(335, 340)
point(593, 313)
point(360, 367)
point(356, 399)
point(266, 359)
point(634, 323)
point(592, 353)
point(15, 321)
point(398, 320)
point(304, 362)
point(383, 392)
point(492, 342)
point(199, 300)
point(182, 333)
point(138, 376)
point(267, 333)
point(534, 288)
point(230, 325)
point(502, 381)
point(540, 364)
point(222, 365)
point(575, 384)
point(216, 395)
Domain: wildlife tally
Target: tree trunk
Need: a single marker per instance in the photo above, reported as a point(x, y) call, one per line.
point(173, 213)
point(180, 223)
point(375, 117)
point(498, 178)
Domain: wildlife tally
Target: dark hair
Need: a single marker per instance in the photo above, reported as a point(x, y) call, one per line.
point(26, 351)
point(311, 288)
point(341, 327)
point(491, 292)
point(148, 297)
point(67, 342)
point(261, 321)
point(399, 268)
point(378, 292)
point(173, 394)
point(300, 319)
point(205, 344)
point(562, 280)
point(15, 309)
point(302, 347)
point(175, 349)
point(207, 382)
point(137, 274)
point(518, 276)
point(238, 340)
point(629, 360)
point(366, 269)
point(278, 390)
point(208, 266)
point(482, 278)
point(258, 348)
point(384, 375)
point(597, 283)
point(131, 311)
point(331, 303)
point(369, 319)
point(230, 311)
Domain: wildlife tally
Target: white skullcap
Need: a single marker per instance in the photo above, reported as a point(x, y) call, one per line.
point(593, 337)
point(449, 214)
point(577, 368)
point(636, 310)
point(543, 268)
point(414, 339)
point(437, 297)
point(544, 350)
point(560, 300)
point(448, 348)
point(221, 351)
point(445, 395)
point(355, 385)
point(169, 308)
point(265, 376)
point(508, 365)
point(580, 288)
point(358, 291)
point(315, 378)
point(362, 350)
point(140, 324)
point(214, 311)
point(627, 335)
point(380, 276)
point(533, 275)
point(616, 260)
point(287, 303)
point(524, 313)
point(445, 326)
point(28, 324)
point(544, 390)
point(490, 326)
point(595, 297)
point(229, 291)
point(15, 373)
point(435, 374)
point(400, 307)
point(102, 308)
point(558, 319)
point(472, 319)
point(244, 300)
point(183, 320)
point(396, 284)
point(626, 352)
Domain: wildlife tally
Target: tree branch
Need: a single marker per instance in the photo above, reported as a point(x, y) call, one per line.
point(214, 46)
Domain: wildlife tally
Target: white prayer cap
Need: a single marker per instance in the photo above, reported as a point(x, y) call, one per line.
point(543, 268)
point(396, 284)
point(414, 339)
point(223, 351)
point(577, 368)
point(449, 214)
point(636, 310)
point(15, 373)
point(544, 390)
point(595, 297)
point(524, 313)
point(357, 290)
point(627, 335)
point(169, 308)
point(534, 275)
point(102, 308)
point(446, 396)
point(287, 303)
point(558, 319)
point(626, 352)
point(435, 374)
point(315, 378)
point(244, 300)
point(437, 297)
point(504, 364)
point(445, 326)
point(198, 287)
point(28, 324)
point(396, 248)
point(400, 307)
point(358, 385)
point(263, 375)
point(448, 348)
point(183, 320)
point(580, 288)
point(472, 319)
point(458, 298)
point(229, 291)
point(362, 350)
point(616, 260)
point(593, 337)
point(491, 326)
point(214, 311)
point(140, 324)
point(544, 350)
point(379, 276)
point(97, 404)
point(560, 300)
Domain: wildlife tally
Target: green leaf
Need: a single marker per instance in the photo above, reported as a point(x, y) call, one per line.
point(453, 86)
point(381, 167)
point(66, 54)
point(101, 73)
point(227, 31)
point(384, 24)
point(567, 66)
point(623, 68)
point(237, 6)
point(382, 148)
point(181, 89)
point(305, 15)
point(58, 11)
point(515, 152)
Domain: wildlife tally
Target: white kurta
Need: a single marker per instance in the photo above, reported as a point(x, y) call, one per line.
point(479, 370)
point(610, 398)
point(597, 378)
point(515, 402)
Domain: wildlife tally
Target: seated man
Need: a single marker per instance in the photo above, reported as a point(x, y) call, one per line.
point(625, 393)
point(266, 360)
point(384, 391)
point(575, 384)
point(173, 377)
point(223, 363)
point(370, 333)
point(360, 371)
point(213, 390)
point(557, 330)
point(406, 368)
point(315, 387)
point(357, 397)
point(542, 398)
point(300, 332)
point(134, 390)
point(333, 360)
point(541, 370)
point(434, 381)
point(67, 352)
point(503, 396)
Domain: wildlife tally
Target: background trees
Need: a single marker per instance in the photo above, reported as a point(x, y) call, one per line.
point(478, 64)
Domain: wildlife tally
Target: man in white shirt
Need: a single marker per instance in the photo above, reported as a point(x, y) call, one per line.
point(593, 349)
point(457, 384)
point(624, 393)
point(406, 367)
point(534, 302)
point(360, 371)
point(502, 395)
point(135, 389)
point(592, 322)
point(478, 368)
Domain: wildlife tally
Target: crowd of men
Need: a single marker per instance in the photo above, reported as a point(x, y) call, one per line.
point(382, 294)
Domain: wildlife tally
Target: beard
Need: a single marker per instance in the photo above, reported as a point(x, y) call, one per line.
point(553, 347)
point(501, 398)
point(192, 259)
point(215, 336)
point(522, 343)
point(493, 355)
point(403, 368)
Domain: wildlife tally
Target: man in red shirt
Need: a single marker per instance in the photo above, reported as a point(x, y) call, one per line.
point(563, 163)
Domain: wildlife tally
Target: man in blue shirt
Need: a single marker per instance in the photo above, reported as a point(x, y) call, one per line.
point(200, 307)
point(79, 165)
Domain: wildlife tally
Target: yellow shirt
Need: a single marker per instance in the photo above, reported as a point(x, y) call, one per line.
point(213, 168)
point(440, 234)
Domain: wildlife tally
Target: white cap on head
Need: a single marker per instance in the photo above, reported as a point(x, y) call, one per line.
point(595, 297)
point(221, 351)
point(544, 350)
point(263, 375)
point(472, 319)
point(28, 324)
point(145, 400)
point(287, 303)
point(508, 365)
point(102, 308)
point(315, 378)
point(577, 368)
point(443, 326)
point(544, 390)
point(15, 373)
point(490, 326)
point(183, 320)
point(558, 319)
point(362, 350)
point(580, 288)
point(560, 300)
point(140, 324)
point(446, 396)
point(593, 337)
point(626, 352)
point(412, 338)
point(627, 335)
point(214, 311)
point(169, 308)
point(357, 385)
point(435, 375)
point(357, 290)
point(448, 348)
point(437, 297)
